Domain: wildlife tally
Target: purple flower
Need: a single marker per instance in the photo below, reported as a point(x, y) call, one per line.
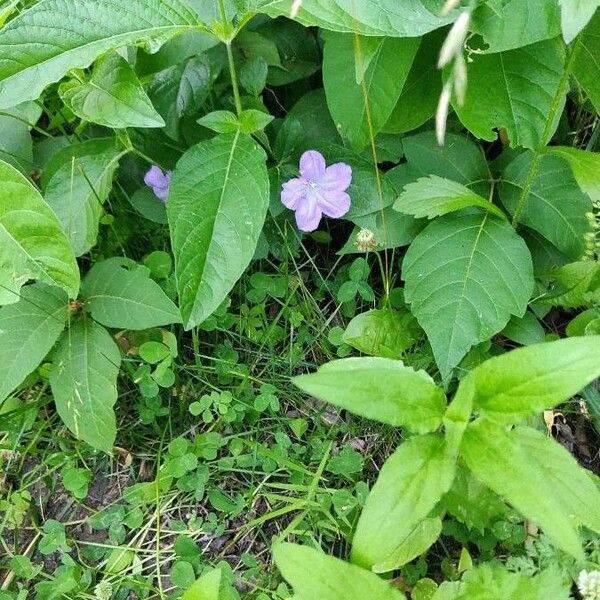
point(159, 182)
point(320, 190)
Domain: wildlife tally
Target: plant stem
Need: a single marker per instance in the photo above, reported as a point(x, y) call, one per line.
point(547, 133)
point(232, 71)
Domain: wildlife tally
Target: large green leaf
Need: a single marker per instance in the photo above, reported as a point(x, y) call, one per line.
point(421, 90)
point(79, 187)
point(112, 97)
point(586, 67)
point(16, 145)
point(514, 385)
point(369, 96)
point(510, 24)
point(409, 18)
point(28, 330)
point(538, 477)
point(218, 200)
point(585, 166)
point(32, 242)
point(575, 15)
point(55, 36)
point(554, 204)
point(434, 196)
point(465, 275)
point(410, 484)
point(120, 294)
point(314, 575)
point(84, 374)
point(381, 389)
point(514, 90)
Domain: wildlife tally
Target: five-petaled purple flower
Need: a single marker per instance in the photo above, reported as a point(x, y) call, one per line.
point(320, 190)
point(159, 182)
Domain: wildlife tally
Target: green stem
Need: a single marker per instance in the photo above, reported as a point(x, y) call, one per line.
point(232, 71)
point(547, 133)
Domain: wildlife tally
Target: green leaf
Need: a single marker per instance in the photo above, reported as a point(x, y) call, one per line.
point(459, 159)
point(513, 90)
point(32, 242)
point(433, 197)
point(254, 120)
point(56, 36)
point(206, 588)
point(510, 24)
point(586, 67)
point(465, 276)
point(84, 383)
point(112, 97)
point(382, 332)
point(510, 387)
point(218, 200)
point(554, 204)
point(410, 484)
point(381, 389)
point(221, 121)
point(577, 283)
point(313, 575)
point(585, 166)
point(308, 126)
point(522, 465)
point(382, 81)
point(575, 15)
point(180, 91)
point(421, 90)
point(28, 330)
point(409, 18)
point(16, 146)
point(120, 294)
point(525, 330)
point(78, 188)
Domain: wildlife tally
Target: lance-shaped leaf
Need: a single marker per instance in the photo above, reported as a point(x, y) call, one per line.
point(513, 90)
point(218, 200)
point(84, 383)
point(81, 181)
point(465, 276)
point(113, 96)
point(585, 166)
point(538, 477)
point(410, 484)
point(510, 387)
point(55, 36)
point(381, 389)
point(314, 575)
point(120, 294)
point(32, 242)
point(370, 96)
point(28, 330)
point(434, 196)
point(409, 18)
point(554, 204)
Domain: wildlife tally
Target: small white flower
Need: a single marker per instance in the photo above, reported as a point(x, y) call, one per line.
point(441, 115)
point(296, 6)
point(449, 6)
point(365, 240)
point(588, 584)
point(103, 590)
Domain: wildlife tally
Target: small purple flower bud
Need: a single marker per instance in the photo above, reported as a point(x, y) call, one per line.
point(320, 190)
point(159, 181)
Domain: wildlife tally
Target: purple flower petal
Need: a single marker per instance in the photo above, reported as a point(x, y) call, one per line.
point(308, 215)
point(337, 177)
point(156, 178)
point(312, 165)
point(293, 192)
point(334, 204)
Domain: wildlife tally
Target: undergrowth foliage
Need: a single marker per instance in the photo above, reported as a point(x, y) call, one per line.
point(179, 174)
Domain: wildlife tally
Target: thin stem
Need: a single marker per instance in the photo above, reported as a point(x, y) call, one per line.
point(232, 72)
point(547, 133)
